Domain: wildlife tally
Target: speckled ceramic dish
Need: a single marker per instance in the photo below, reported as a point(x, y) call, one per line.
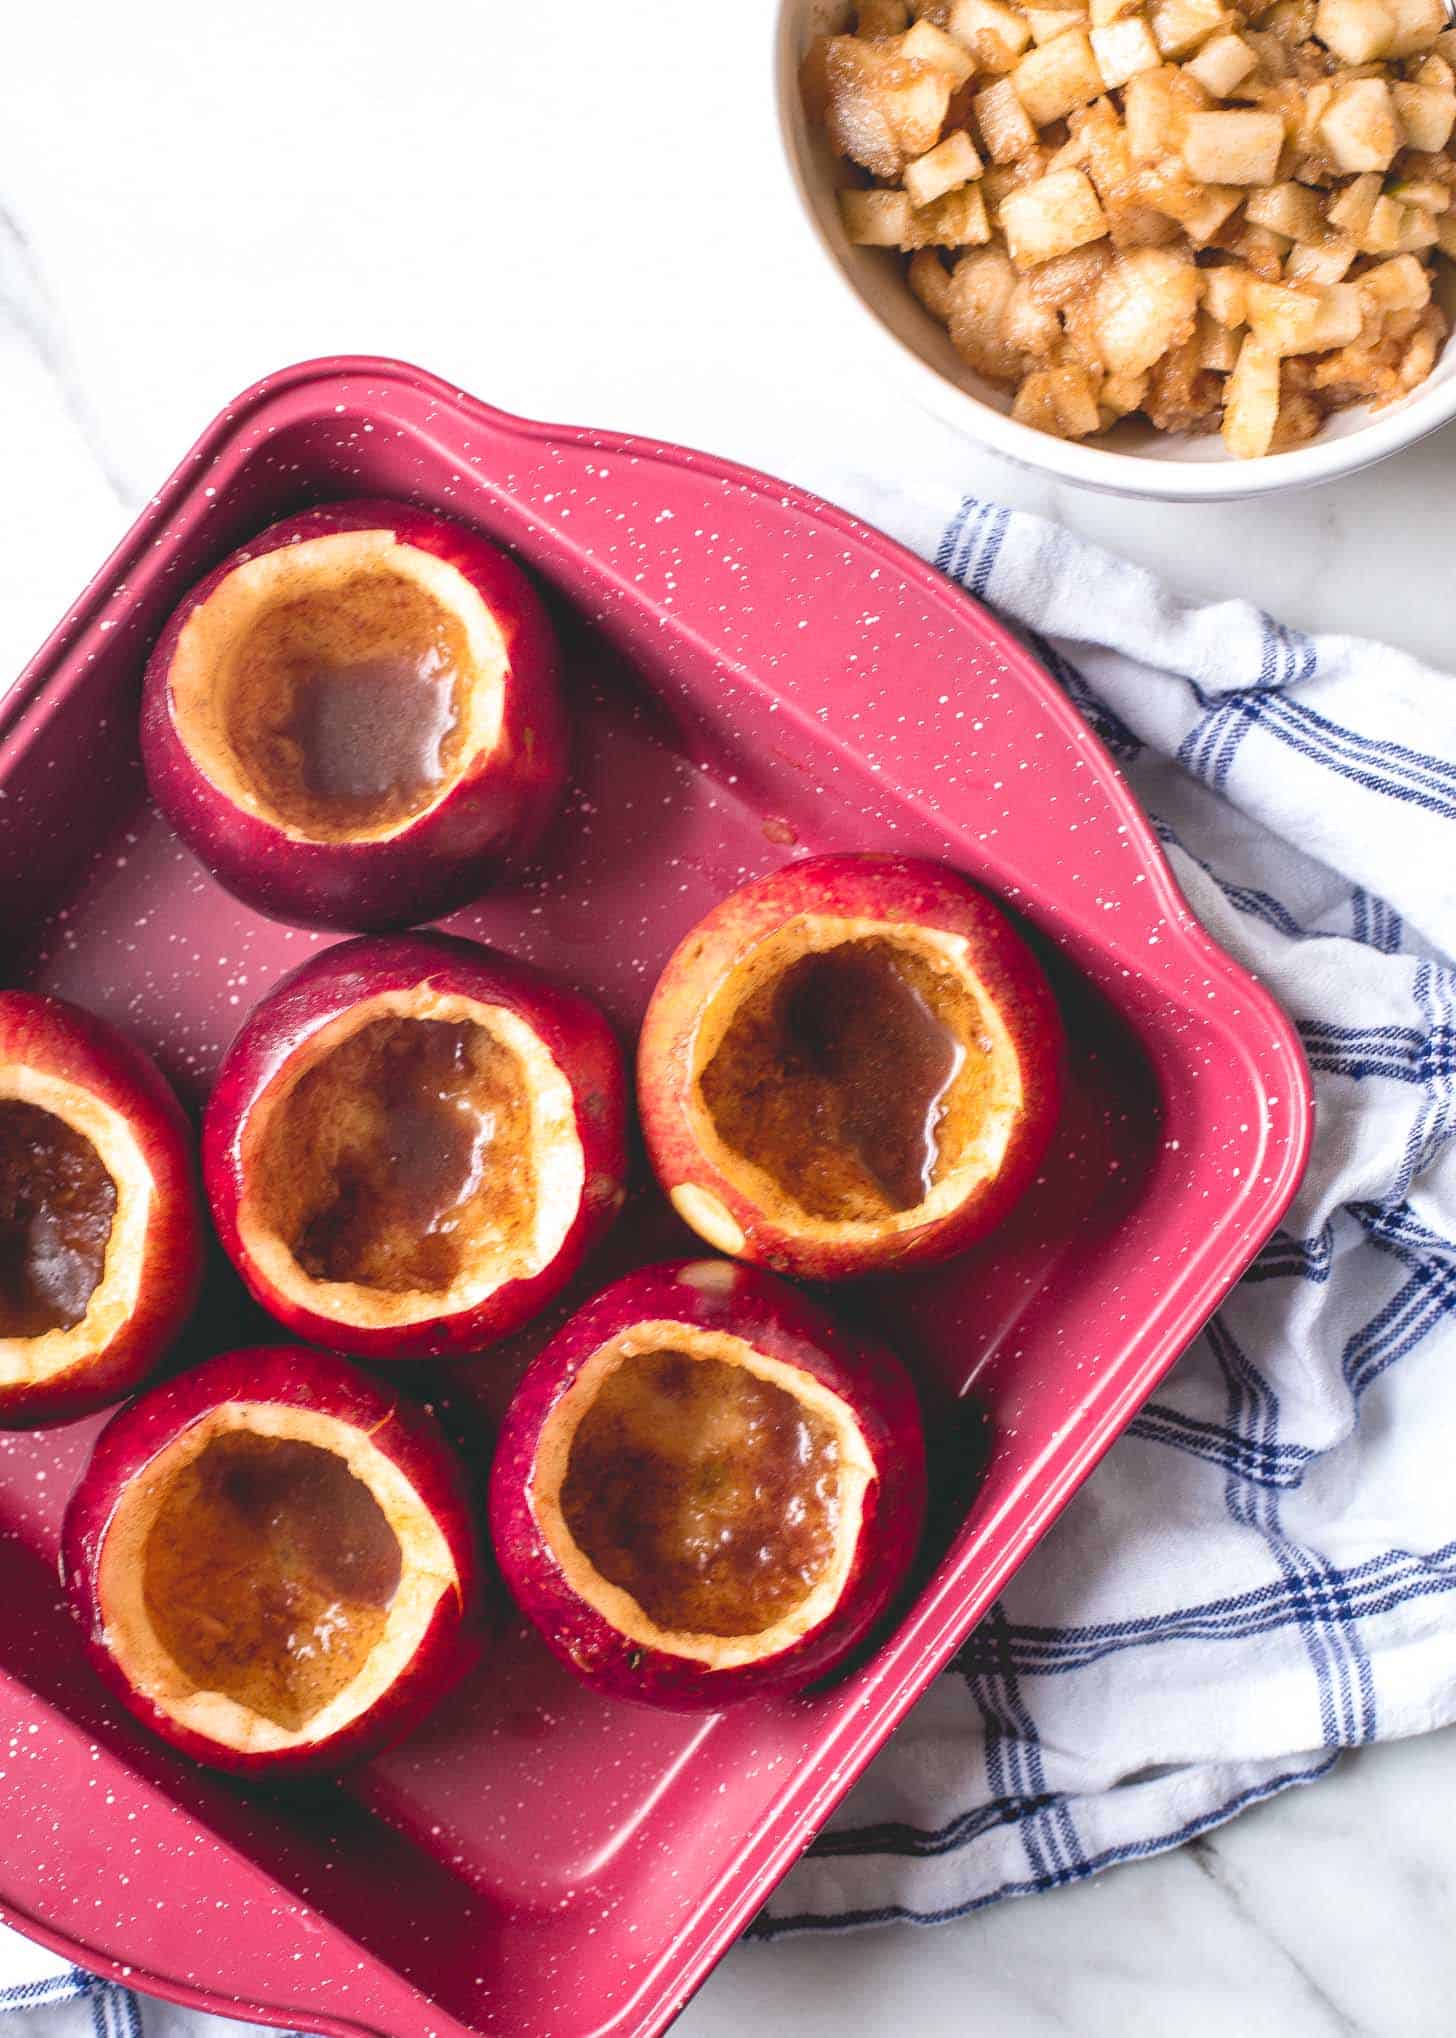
point(750, 673)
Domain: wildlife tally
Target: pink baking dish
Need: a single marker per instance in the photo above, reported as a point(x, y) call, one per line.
point(752, 673)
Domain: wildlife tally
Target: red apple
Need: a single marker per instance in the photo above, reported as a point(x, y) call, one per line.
point(849, 1067)
point(273, 1561)
point(356, 718)
point(704, 1488)
point(412, 1144)
point(100, 1219)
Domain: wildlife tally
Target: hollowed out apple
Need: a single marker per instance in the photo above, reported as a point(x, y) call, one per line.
point(273, 1560)
point(412, 1144)
point(100, 1219)
point(704, 1488)
point(356, 717)
point(850, 1066)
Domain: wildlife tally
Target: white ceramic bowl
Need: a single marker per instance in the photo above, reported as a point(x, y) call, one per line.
point(1133, 459)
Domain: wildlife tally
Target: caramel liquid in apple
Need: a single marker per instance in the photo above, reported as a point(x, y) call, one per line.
point(835, 1076)
point(885, 1059)
point(710, 1495)
point(269, 1572)
point(57, 1203)
point(371, 735)
point(344, 707)
point(402, 1186)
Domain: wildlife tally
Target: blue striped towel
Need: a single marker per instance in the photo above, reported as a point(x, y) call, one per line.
point(1278, 1528)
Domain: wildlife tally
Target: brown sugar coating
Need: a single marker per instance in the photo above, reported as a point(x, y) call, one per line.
point(402, 1156)
point(345, 705)
point(269, 1570)
point(57, 1203)
point(708, 1494)
point(851, 1077)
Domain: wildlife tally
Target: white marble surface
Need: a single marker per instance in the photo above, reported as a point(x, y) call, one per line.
point(578, 212)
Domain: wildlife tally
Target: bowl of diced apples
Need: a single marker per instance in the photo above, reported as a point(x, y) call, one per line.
point(1172, 248)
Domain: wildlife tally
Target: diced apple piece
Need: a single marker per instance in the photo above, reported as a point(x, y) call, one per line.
point(1156, 115)
point(1005, 126)
point(875, 18)
point(1029, 325)
point(1074, 394)
point(950, 163)
point(1418, 25)
point(1281, 319)
point(1105, 11)
point(1360, 128)
point(1215, 206)
point(926, 44)
point(1292, 21)
point(1382, 230)
point(1341, 316)
point(1051, 217)
point(1426, 115)
point(930, 280)
point(1121, 394)
point(1417, 230)
point(1123, 49)
point(1217, 348)
point(958, 220)
point(882, 111)
point(1072, 155)
point(1400, 284)
point(1234, 147)
point(1350, 210)
point(1145, 304)
point(1056, 77)
point(1357, 31)
point(1323, 261)
point(1291, 209)
point(1036, 404)
point(1425, 192)
point(1226, 295)
point(875, 219)
point(1069, 279)
point(1223, 62)
point(994, 35)
point(1180, 26)
point(1047, 23)
point(1251, 401)
point(981, 288)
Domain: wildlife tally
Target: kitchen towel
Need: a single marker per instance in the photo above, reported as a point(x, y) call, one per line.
point(1263, 1570)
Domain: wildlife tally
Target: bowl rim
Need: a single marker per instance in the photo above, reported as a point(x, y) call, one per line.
point(1430, 406)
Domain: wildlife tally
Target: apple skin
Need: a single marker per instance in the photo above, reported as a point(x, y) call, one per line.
point(851, 886)
point(328, 984)
point(447, 856)
point(716, 1295)
point(296, 1378)
point(62, 1040)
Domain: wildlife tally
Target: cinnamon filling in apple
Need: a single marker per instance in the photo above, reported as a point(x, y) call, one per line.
point(345, 708)
point(268, 1573)
point(402, 1155)
point(853, 1076)
point(711, 1495)
point(340, 686)
point(57, 1205)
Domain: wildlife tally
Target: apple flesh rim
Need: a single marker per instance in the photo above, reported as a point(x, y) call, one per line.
point(100, 1216)
point(356, 719)
point(412, 1145)
point(705, 1489)
point(273, 1561)
point(850, 1066)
